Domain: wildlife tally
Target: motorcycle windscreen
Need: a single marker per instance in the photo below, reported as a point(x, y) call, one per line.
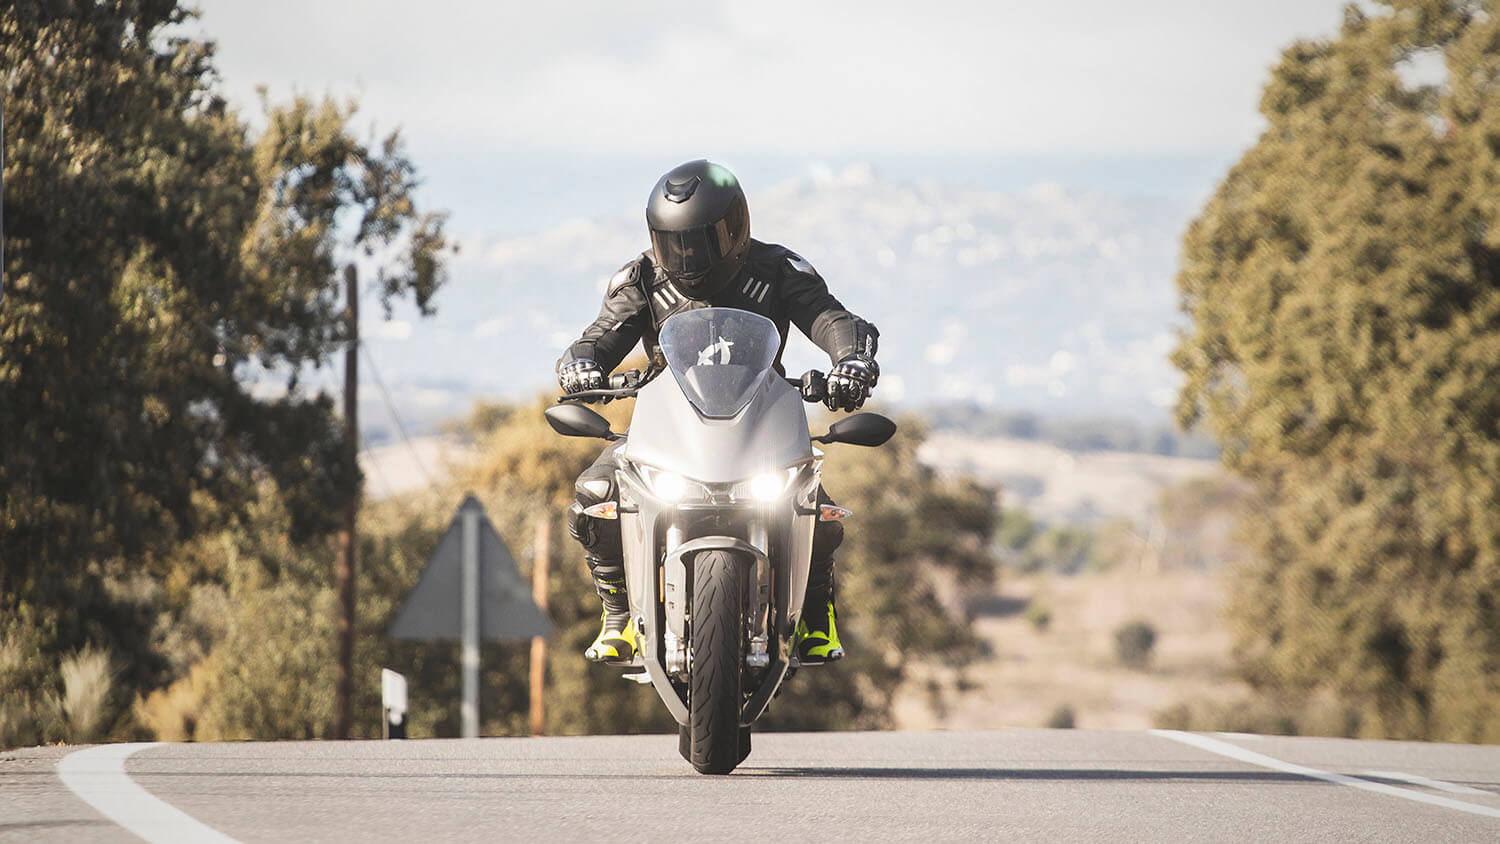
point(719, 357)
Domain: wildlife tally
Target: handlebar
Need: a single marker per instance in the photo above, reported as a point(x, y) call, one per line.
point(813, 385)
point(623, 385)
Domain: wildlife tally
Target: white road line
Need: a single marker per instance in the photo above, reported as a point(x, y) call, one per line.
point(1224, 748)
point(1427, 782)
point(97, 774)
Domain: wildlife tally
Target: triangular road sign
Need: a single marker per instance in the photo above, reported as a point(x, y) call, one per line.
point(434, 609)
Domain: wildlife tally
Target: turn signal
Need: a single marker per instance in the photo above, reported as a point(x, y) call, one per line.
point(830, 513)
point(603, 510)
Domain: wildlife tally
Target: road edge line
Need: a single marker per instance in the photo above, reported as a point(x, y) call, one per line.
point(1224, 748)
point(1427, 782)
point(97, 775)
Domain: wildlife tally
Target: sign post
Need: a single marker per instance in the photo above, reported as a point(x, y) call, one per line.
point(469, 660)
point(470, 590)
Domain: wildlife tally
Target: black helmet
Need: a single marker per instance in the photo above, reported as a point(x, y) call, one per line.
point(700, 227)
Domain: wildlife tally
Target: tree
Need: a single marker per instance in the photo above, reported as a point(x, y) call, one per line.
point(159, 263)
point(1344, 289)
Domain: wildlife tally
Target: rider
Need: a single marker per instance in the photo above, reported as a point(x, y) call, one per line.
point(702, 256)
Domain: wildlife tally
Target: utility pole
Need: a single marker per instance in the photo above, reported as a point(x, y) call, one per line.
point(539, 577)
point(344, 575)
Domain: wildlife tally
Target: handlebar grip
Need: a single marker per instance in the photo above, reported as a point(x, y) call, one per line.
point(625, 380)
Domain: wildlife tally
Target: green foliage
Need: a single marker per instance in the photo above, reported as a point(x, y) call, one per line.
point(158, 262)
point(1344, 290)
point(1062, 718)
point(1029, 546)
point(1135, 641)
point(1038, 615)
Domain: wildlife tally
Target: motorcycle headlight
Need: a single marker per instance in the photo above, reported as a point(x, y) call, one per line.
point(669, 486)
point(768, 486)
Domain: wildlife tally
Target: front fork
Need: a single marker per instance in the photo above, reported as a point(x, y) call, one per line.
point(758, 614)
point(676, 596)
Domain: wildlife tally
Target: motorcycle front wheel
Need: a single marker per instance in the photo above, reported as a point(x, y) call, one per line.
point(714, 697)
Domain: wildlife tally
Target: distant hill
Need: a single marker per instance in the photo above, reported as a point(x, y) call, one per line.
point(1072, 433)
point(1059, 486)
point(1045, 299)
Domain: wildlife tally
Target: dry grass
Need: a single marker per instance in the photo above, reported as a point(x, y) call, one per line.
point(1034, 672)
point(87, 681)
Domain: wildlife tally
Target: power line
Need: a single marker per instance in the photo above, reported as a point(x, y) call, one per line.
point(232, 344)
point(396, 417)
point(379, 472)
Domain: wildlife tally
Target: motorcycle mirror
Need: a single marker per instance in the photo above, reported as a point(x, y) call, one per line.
point(575, 420)
point(868, 429)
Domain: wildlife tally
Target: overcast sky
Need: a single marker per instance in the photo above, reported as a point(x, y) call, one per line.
point(519, 111)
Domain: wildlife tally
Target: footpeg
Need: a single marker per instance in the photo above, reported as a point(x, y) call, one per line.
point(813, 661)
point(636, 673)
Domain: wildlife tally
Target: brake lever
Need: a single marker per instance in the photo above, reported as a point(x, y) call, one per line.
point(581, 395)
point(622, 385)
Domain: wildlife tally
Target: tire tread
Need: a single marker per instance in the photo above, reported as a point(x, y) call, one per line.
point(714, 694)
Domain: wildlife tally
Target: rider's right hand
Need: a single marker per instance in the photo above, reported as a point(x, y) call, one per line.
point(580, 375)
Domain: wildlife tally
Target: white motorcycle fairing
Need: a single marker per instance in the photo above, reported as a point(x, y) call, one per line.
point(712, 504)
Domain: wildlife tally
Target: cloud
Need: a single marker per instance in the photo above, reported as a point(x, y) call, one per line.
point(491, 327)
point(396, 329)
point(991, 78)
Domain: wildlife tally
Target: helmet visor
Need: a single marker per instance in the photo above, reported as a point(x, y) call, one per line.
point(691, 252)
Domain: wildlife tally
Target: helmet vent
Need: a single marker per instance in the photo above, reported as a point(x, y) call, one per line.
point(681, 191)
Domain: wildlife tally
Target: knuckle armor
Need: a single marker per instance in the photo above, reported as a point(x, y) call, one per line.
point(580, 375)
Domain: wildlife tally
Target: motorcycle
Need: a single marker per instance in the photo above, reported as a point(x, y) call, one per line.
point(717, 500)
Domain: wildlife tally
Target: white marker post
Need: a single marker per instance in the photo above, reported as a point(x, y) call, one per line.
point(393, 702)
point(469, 596)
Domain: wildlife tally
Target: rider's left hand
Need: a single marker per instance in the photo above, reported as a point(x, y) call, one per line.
point(850, 383)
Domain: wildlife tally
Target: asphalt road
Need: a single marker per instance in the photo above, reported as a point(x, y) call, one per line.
point(1074, 785)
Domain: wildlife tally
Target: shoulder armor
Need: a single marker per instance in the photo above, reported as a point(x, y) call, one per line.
point(627, 275)
point(799, 264)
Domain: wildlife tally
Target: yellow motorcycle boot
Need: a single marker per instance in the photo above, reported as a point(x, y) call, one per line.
point(818, 636)
point(616, 642)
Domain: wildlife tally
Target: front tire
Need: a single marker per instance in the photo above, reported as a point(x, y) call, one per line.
point(718, 629)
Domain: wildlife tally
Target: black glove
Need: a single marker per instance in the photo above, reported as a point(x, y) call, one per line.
point(580, 375)
point(850, 383)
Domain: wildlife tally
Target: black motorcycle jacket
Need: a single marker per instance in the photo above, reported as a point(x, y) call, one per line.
point(774, 282)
